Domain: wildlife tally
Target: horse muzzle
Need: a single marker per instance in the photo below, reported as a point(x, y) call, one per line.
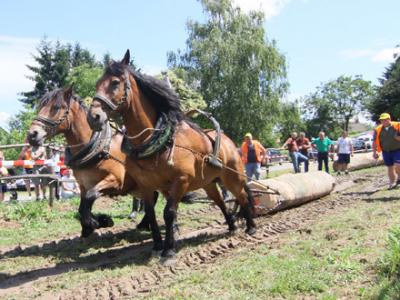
point(36, 136)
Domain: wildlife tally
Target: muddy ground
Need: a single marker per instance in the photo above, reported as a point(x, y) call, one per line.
point(120, 263)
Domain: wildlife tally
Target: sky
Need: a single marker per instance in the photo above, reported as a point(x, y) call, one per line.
point(321, 39)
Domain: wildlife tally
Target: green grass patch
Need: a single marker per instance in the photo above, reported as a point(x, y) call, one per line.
point(335, 261)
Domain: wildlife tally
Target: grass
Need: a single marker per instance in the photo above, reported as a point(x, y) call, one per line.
point(339, 259)
point(31, 222)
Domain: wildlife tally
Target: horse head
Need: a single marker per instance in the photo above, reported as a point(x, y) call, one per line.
point(112, 91)
point(53, 116)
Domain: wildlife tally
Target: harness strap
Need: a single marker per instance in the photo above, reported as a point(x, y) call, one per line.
point(160, 138)
point(96, 149)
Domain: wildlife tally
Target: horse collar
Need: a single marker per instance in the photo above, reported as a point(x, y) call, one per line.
point(95, 150)
point(160, 139)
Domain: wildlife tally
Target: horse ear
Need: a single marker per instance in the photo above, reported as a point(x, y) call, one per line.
point(127, 58)
point(68, 93)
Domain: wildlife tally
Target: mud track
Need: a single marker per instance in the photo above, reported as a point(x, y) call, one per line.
point(195, 249)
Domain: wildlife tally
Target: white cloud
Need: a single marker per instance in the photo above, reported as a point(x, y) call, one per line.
point(270, 8)
point(354, 53)
point(383, 55)
point(15, 53)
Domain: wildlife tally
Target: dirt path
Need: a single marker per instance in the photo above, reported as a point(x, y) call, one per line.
point(195, 249)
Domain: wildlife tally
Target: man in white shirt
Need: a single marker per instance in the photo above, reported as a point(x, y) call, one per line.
point(344, 151)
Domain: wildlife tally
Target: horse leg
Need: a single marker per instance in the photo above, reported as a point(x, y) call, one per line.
point(244, 198)
point(135, 208)
point(88, 223)
point(145, 223)
point(214, 194)
point(150, 215)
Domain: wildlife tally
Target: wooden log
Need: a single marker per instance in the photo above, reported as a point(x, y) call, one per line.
point(290, 190)
point(361, 161)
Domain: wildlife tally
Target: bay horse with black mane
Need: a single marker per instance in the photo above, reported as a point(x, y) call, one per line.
point(95, 157)
point(167, 152)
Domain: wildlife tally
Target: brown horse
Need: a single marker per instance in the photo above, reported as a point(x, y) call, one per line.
point(96, 158)
point(167, 152)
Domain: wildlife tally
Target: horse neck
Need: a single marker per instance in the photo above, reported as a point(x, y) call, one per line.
point(139, 116)
point(79, 132)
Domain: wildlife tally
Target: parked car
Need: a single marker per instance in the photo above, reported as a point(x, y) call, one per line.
point(276, 155)
point(368, 140)
point(358, 144)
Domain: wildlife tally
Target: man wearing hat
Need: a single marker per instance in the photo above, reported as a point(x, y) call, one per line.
point(253, 153)
point(387, 141)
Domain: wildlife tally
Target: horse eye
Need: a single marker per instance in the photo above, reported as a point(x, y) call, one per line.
point(115, 82)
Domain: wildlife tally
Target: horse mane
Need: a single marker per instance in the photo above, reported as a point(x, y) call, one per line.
point(164, 99)
point(58, 94)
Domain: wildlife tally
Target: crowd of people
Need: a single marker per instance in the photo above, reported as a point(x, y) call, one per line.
point(386, 140)
point(68, 187)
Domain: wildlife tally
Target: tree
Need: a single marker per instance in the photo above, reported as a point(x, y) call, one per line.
point(83, 79)
point(239, 73)
point(290, 120)
point(54, 63)
point(334, 103)
point(190, 99)
point(387, 98)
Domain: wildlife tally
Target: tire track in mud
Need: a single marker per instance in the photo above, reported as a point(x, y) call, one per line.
point(214, 243)
point(209, 244)
point(101, 236)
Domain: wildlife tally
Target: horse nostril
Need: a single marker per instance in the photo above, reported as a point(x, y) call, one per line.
point(33, 134)
point(97, 117)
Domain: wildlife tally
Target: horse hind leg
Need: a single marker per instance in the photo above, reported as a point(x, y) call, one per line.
point(244, 198)
point(214, 194)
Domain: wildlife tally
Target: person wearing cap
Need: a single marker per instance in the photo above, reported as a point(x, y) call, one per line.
point(387, 141)
point(253, 153)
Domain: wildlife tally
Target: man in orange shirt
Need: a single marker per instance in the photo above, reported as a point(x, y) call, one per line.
point(253, 153)
point(387, 141)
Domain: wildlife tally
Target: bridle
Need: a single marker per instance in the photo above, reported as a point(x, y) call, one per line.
point(50, 126)
point(109, 103)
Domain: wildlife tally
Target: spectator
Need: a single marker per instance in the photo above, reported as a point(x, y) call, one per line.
point(39, 153)
point(344, 150)
point(25, 154)
point(253, 153)
point(304, 145)
point(387, 141)
point(324, 145)
point(294, 153)
point(3, 172)
point(55, 157)
point(69, 187)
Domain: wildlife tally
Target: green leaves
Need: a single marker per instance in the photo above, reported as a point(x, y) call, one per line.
point(388, 93)
point(334, 103)
point(239, 73)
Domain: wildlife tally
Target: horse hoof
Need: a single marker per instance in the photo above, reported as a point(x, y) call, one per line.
point(86, 240)
point(168, 260)
point(251, 230)
point(143, 226)
point(232, 228)
point(156, 253)
point(133, 215)
point(105, 221)
point(86, 232)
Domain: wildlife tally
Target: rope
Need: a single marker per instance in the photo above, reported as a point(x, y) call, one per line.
point(228, 168)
